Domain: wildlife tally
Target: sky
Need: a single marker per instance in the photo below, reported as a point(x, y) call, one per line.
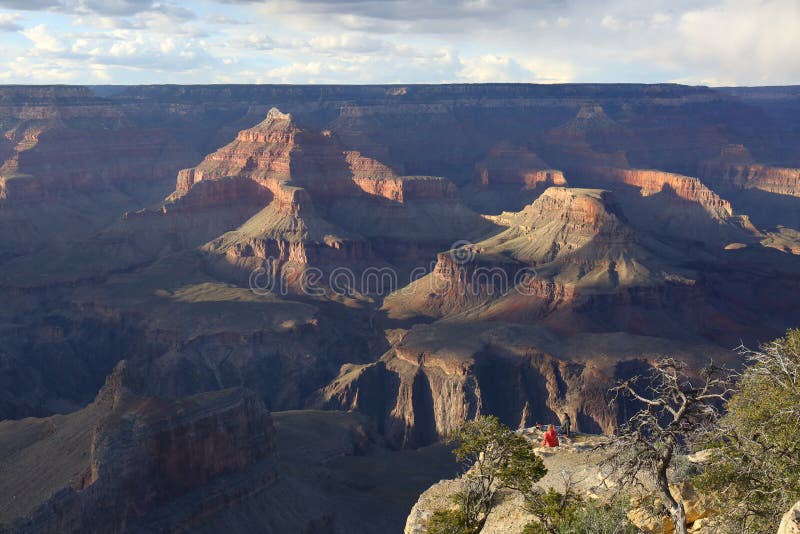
point(698, 42)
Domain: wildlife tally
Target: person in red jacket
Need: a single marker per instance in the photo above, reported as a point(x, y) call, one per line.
point(550, 437)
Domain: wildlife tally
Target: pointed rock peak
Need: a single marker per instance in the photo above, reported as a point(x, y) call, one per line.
point(275, 123)
point(274, 114)
point(590, 118)
point(507, 149)
point(591, 111)
point(120, 385)
point(275, 119)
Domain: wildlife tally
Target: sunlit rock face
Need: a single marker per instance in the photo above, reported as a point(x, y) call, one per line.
point(540, 243)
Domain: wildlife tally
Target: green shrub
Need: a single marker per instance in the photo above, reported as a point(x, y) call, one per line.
point(754, 470)
point(572, 515)
point(598, 518)
point(495, 458)
point(449, 522)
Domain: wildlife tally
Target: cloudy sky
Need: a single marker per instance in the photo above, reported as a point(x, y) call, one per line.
point(712, 42)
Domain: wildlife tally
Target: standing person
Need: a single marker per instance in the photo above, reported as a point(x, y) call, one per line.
point(550, 437)
point(566, 425)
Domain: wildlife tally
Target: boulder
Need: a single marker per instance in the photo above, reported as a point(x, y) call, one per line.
point(790, 523)
point(696, 506)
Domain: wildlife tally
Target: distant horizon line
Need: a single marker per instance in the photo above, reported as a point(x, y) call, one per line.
point(397, 84)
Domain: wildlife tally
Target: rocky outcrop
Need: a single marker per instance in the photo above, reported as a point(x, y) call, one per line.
point(277, 152)
point(576, 459)
point(438, 377)
point(698, 508)
point(509, 165)
point(790, 522)
point(566, 240)
point(261, 153)
point(218, 193)
point(677, 206)
point(145, 453)
point(591, 119)
point(652, 182)
point(408, 188)
point(735, 167)
point(322, 206)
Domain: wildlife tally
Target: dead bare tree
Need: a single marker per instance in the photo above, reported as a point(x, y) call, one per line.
point(676, 409)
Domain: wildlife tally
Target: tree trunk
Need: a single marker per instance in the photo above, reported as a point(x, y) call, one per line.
point(678, 514)
point(675, 507)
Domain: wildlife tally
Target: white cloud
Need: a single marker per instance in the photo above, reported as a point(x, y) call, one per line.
point(405, 41)
point(748, 40)
point(490, 68)
point(660, 19)
point(130, 49)
point(44, 42)
point(405, 66)
point(9, 22)
point(733, 42)
point(610, 22)
point(25, 70)
point(255, 41)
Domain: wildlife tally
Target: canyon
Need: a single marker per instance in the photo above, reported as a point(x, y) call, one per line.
point(265, 307)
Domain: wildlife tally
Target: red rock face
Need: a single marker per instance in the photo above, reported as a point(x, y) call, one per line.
point(261, 153)
point(312, 192)
point(735, 167)
point(277, 152)
point(579, 211)
point(511, 165)
point(652, 182)
point(779, 180)
point(402, 189)
point(214, 193)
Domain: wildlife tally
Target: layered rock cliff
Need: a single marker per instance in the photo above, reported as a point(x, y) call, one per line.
point(650, 182)
point(139, 457)
point(316, 196)
point(677, 206)
point(527, 313)
point(569, 241)
point(735, 167)
point(436, 377)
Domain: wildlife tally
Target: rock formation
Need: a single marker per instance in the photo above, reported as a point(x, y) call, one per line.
point(736, 168)
point(790, 522)
point(683, 187)
point(531, 309)
point(678, 206)
point(565, 242)
point(309, 180)
point(507, 164)
point(145, 464)
point(438, 376)
point(135, 456)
